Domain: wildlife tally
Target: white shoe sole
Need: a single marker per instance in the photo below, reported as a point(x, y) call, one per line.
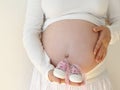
point(76, 78)
point(59, 73)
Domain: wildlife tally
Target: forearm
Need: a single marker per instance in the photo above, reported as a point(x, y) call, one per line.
point(115, 32)
point(31, 37)
point(113, 15)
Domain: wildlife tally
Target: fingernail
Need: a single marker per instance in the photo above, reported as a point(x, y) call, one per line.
point(94, 29)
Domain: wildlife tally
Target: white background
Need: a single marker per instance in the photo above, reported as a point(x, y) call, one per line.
point(15, 67)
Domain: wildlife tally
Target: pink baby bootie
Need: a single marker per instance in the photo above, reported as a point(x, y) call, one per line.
point(75, 74)
point(60, 70)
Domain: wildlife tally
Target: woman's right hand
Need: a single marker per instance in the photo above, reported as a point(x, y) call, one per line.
point(52, 78)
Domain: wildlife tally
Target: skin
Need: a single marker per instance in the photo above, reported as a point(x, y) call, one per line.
point(100, 51)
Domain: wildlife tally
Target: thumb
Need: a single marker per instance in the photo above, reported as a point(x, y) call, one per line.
point(98, 28)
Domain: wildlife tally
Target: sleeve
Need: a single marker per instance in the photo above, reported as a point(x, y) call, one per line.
point(31, 37)
point(114, 20)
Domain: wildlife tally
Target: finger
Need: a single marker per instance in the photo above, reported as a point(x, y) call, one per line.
point(97, 46)
point(62, 81)
point(50, 75)
point(100, 54)
point(75, 84)
point(103, 55)
point(98, 28)
point(53, 78)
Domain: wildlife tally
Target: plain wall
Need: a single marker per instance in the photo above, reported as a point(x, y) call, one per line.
point(15, 66)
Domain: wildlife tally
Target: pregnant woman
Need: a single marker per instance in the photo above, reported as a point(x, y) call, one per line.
point(76, 30)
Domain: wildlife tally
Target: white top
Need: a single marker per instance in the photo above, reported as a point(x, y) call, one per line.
point(94, 11)
point(41, 13)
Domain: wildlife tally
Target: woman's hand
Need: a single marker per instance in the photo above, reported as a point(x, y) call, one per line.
point(52, 78)
point(101, 46)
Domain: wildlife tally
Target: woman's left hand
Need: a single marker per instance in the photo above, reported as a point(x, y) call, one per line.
point(101, 46)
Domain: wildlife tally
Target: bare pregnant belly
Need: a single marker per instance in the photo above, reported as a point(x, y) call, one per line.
point(72, 38)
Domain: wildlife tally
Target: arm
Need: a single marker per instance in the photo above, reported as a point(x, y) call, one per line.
point(110, 33)
point(32, 35)
point(114, 20)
